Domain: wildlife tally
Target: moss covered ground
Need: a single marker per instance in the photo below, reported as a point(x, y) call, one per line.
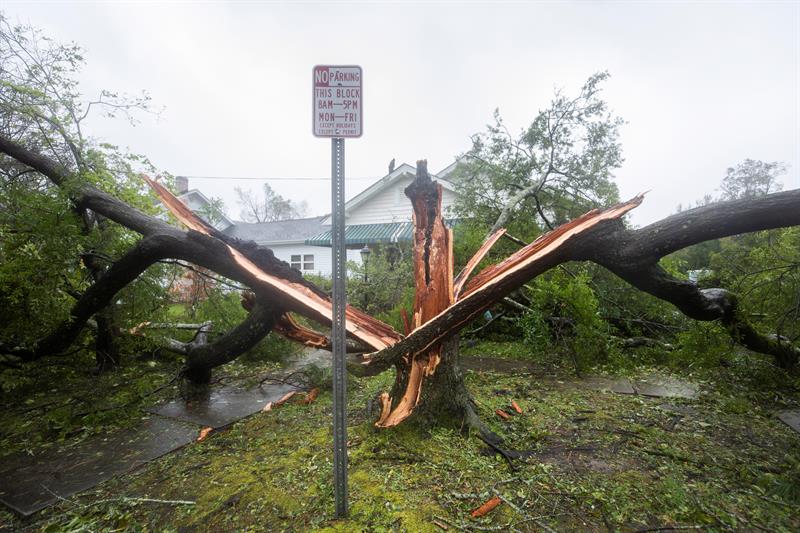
point(591, 461)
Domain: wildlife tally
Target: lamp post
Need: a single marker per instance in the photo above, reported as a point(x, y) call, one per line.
point(365, 251)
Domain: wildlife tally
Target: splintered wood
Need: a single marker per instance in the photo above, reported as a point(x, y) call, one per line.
point(487, 507)
point(433, 279)
point(462, 277)
point(442, 306)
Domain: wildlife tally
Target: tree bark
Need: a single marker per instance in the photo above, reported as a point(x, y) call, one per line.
point(106, 349)
point(634, 256)
point(202, 358)
point(245, 262)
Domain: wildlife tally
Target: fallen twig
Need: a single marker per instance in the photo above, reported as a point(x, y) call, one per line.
point(670, 528)
point(128, 499)
point(283, 399)
point(509, 459)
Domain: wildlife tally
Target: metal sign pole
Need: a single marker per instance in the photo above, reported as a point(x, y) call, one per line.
point(337, 113)
point(339, 301)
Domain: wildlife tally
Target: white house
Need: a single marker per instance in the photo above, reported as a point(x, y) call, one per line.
point(287, 240)
point(381, 214)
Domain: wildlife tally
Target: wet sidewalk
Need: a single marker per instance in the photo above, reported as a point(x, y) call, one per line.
point(29, 483)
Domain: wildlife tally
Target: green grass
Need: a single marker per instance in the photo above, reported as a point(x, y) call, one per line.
point(598, 462)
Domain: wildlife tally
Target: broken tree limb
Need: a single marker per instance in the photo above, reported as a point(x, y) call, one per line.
point(462, 277)
point(636, 342)
point(495, 282)
point(122, 272)
point(290, 329)
point(202, 358)
point(634, 256)
point(294, 295)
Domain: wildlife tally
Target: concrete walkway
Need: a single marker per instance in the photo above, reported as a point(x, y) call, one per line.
point(29, 483)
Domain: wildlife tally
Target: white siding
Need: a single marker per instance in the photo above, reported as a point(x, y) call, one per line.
point(448, 202)
point(322, 256)
point(392, 205)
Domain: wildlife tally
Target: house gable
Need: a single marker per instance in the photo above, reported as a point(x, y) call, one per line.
point(385, 200)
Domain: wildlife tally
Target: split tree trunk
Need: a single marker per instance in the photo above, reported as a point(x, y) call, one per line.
point(428, 380)
point(429, 383)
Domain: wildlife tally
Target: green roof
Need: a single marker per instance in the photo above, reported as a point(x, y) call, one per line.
point(367, 234)
point(370, 234)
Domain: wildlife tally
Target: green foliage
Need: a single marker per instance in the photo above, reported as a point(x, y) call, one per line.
point(701, 344)
point(40, 239)
point(223, 308)
point(764, 270)
point(50, 251)
point(751, 179)
point(384, 284)
point(599, 461)
point(565, 316)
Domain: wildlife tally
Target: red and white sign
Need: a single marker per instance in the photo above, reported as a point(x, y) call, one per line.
point(337, 99)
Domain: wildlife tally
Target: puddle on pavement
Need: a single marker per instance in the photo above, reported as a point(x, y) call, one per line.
point(666, 387)
point(618, 385)
point(223, 406)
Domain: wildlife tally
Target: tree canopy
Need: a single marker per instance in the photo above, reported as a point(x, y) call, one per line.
point(558, 168)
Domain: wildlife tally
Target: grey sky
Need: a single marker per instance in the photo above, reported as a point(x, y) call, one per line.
point(702, 85)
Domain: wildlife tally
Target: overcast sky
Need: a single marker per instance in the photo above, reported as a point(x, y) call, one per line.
point(702, 86)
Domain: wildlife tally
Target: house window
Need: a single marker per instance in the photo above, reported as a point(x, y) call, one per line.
point(303, 262)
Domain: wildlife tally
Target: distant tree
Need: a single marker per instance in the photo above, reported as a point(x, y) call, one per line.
point(270, 207)
point(747, 180)
point(750, 179)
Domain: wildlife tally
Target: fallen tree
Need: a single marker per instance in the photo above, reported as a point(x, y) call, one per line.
point(429, 380)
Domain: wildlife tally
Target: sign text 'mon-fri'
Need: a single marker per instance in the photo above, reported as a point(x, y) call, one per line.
point(338, 95)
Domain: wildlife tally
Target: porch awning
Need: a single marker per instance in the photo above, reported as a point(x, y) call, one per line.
point(368, 234)
point(385, 233)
